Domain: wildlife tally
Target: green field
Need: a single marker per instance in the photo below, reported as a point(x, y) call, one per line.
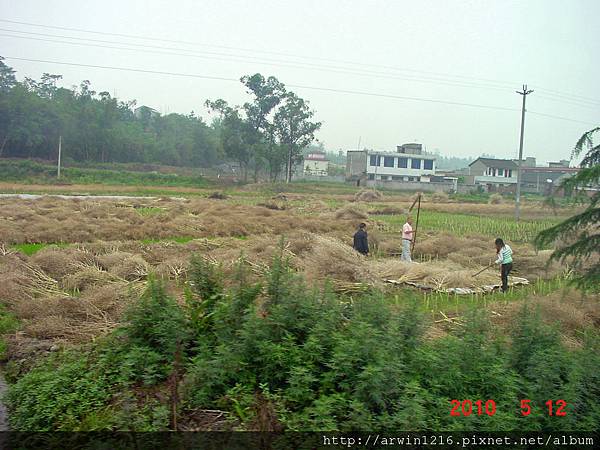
point(25, 171)
point(467, 224)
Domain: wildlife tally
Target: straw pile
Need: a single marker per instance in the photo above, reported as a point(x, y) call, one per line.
point(87, 277)
point(328, 257)
point(45, 305)
point(77, 319)
point(564, 307)
point(388, 210)
point(434, 274)
point(495, 199)
point(439, 197)
point(351, 212)
point(57, 262)
point(22, 281)
point(368, 196)
point(218, 196)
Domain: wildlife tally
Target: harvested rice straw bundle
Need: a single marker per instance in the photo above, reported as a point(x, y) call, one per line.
point(173, 268)
point(351, 212)
point(389, 267)
point(22, 279)
point(131, 268)
point(347, 288)
point(89, 276)
point(109, 260)
point(5, 251)
point(331, 258)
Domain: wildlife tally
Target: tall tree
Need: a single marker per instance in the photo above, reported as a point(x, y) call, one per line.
point(294, 129)
point(235, 134)
point(267, 93)
point(578, 237)
point(8, 80)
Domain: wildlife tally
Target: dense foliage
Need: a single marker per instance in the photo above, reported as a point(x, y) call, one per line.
point(269, 131)
point(578, 237)
point(95, 127)
point(283, 356)
point(266, 134)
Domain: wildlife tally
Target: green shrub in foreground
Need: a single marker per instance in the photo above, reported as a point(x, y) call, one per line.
point(92, 388)
point(307, 359)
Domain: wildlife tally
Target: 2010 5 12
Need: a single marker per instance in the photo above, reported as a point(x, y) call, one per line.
point(478, 407)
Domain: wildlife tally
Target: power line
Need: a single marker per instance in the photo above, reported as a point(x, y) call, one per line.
point(262, 61)
point(128, 69)
point(559, 117)
point(299, 86)
point(344, 91)
point(353, 63)
point(228, 57)
point(498, 83)
point(569, 102)
point(568, 95)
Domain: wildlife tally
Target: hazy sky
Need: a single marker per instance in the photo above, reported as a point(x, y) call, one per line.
point(476, 52)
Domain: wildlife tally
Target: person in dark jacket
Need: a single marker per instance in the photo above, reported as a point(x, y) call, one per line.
point(361, 242)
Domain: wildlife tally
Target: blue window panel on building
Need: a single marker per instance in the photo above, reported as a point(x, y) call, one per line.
point(388, 161)
point(415, 163)
point(402, 163)
point(428, 164)
point(373, 160)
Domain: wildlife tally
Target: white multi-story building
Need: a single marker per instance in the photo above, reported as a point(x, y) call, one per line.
point(408, 163)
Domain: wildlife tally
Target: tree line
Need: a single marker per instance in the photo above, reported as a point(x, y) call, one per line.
point(266, 135)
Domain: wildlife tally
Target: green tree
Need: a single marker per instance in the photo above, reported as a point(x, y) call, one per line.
point(578, 237)
point(294, 129)
point(234, 134)
point(267, 94)
point(95, 127)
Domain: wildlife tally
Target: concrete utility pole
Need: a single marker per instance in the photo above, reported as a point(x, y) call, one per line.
point(518, 195)
point(59, 152)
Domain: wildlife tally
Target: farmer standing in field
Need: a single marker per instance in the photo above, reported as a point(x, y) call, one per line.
point(361, 242)
point(407, 237)
point(504, 254)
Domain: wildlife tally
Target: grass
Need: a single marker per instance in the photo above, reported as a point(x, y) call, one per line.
point(435, 303)
point(149, 211)
point(25, 171)
point(8, 324)
point(466, 224)
point(31, 249)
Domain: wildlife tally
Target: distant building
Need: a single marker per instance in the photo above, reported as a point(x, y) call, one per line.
point(527, 162)
point(545, 179)
point(146, 112)
point(493, 173)
point(407, 163)
point(317, 164)
point(562, 163)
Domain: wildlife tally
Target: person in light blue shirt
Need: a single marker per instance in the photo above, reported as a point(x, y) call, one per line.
point(504, 258)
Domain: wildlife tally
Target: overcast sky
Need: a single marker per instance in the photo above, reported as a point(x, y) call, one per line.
point(472, 52)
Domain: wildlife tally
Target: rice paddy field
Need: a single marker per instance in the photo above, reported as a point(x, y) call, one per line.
point(69, 268)
point(77, 248)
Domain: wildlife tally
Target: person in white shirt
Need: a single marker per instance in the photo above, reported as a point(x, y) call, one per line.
point(504, 258)
point(407, 237)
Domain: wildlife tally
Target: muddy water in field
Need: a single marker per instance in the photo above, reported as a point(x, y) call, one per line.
point(83, 196)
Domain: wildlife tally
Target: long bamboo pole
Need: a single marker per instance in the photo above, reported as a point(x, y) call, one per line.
point(414, 236)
